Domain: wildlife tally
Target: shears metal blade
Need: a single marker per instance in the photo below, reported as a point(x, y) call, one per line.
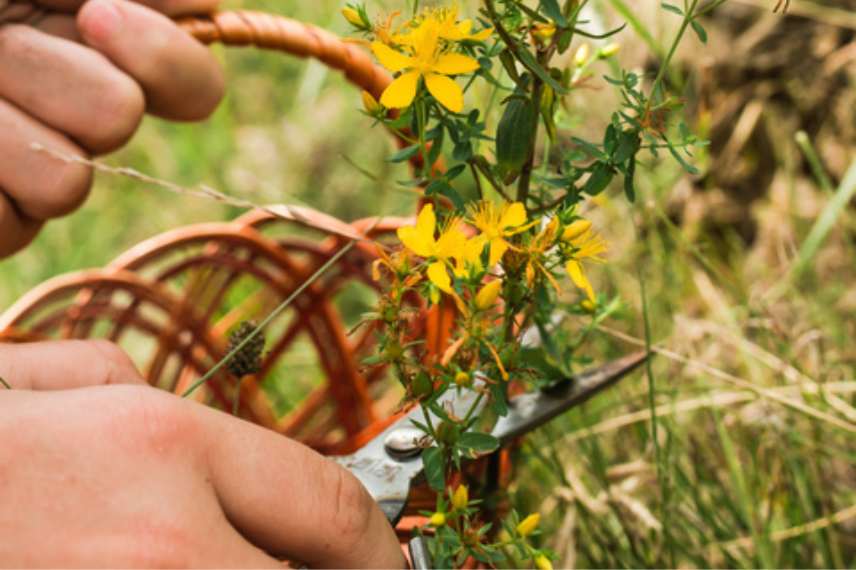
point(389, 463)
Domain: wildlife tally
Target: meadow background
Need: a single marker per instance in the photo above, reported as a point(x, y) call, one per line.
point(738, 447)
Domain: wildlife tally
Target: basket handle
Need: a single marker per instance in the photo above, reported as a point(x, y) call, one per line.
point(279, 33)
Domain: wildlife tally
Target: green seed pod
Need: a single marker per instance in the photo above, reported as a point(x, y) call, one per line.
point(514, 136)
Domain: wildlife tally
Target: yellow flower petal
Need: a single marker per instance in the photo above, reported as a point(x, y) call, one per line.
point(413, 241)
point(426, 221)
point(440, 277)
point(543, 563)
point(452, 241)
point(513, 215)
point(498, 247)
point(482, 35)
point(575, 270)
point(576, 229)
point(454, 64)
point(420, 238)
point(391, 59)
point(446, 91)
point(401, 92)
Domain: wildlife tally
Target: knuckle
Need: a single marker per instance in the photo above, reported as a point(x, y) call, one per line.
point(118, 366)
point(353, 509)
point(151, 422)
point(118, 115)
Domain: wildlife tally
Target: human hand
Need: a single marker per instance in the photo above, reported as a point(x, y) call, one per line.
point(97, 474)
point(78, 79)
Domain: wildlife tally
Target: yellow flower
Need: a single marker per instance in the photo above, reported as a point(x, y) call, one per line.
point(536, 251)
point(438, 519)
point(488, 295)
point(587, 244)
point(455, 31)
point(469, 258)
point(461, 498)
point(543, 563)
point(529, 524)
point(440, 251)
point(428, 62)
point(496, 224)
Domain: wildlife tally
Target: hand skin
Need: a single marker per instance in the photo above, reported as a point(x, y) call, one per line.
point(100, 470)
point(79, 81)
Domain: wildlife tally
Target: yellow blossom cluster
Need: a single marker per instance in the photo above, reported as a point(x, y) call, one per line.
point(449, 252)
point(425, 50)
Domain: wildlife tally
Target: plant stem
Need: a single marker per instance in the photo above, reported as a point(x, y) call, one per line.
point(5, 384)
point(688, 17)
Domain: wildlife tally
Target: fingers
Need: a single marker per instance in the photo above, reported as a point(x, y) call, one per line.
point(18, 231)
point(169, 7)
point(71, 88)
point(40, 186)
point(67, 364)
point(179, 75)
point(293, 502)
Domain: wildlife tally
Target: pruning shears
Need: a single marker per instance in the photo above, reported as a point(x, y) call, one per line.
point(390, 463)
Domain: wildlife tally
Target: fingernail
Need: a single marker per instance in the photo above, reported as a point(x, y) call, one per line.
point(99, 20)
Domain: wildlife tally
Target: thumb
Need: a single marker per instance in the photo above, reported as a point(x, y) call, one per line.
point(66, 364)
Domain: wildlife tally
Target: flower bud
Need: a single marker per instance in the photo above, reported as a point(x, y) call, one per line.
point(544, 31)
point(608, 51)
point(488, 295)
point(353, 17)
point(370, 104)
point(528, 524)
point(576, 229)
point(582, 55)
point(438, 519)
point(461, 498)
point(543, 563)
point(463, 379)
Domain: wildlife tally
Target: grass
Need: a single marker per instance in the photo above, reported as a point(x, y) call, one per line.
point(734, 449)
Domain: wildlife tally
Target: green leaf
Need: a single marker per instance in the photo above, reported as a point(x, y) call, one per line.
point(552, 9)
point(478, 442)
point(435, 468)
point(628, 145)
point(629, 189)
point(600, 178)
point(687, 166)
point(672, 8)
point(528, 60)
point(406, 153)
point(700, 31)
point(443, 188)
